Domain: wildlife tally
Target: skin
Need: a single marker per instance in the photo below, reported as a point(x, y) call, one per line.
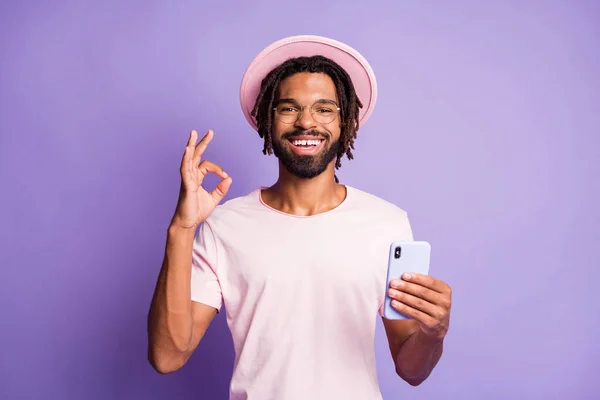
point(176, 324)
point(291, 194)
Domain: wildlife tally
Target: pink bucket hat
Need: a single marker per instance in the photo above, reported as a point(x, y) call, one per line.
point(348, 58)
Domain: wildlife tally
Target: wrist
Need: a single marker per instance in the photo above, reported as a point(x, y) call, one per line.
point(426, 339)
point(178, 230)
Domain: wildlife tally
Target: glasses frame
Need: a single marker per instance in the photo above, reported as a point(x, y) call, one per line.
point(301, 107)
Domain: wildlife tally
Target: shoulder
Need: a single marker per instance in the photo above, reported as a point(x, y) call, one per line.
point(388, 219)
point(373, 203)
point(236, 207)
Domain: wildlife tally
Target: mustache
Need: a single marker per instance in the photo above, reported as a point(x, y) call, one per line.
point(300, 132)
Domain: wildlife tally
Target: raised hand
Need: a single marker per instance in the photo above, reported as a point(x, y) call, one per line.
point(195, 204)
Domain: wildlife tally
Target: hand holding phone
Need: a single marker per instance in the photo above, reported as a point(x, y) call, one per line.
point(404, 256)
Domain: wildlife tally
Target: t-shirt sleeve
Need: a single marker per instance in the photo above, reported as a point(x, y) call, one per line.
point(406, 232)
point(402, 232)
point(206, 288)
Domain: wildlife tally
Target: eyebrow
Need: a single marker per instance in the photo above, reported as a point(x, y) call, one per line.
point(294, 101)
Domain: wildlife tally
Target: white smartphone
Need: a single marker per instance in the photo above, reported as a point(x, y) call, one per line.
point(405, 256)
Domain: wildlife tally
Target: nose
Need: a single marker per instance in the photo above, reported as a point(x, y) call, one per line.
point(306, 120)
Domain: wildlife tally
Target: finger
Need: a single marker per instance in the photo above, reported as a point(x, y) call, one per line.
point(201, 147)
point(206, 166)
point(427, 281)
point(417, 290)
point(418, 315)
point(221, 190)
point(193, 138)
point(189, 147)
point(415, 302)
point(186, 162)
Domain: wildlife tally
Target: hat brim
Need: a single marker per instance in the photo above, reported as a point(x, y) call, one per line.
point(361, 73)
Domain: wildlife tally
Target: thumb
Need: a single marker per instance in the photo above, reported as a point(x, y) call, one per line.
point(221, 190)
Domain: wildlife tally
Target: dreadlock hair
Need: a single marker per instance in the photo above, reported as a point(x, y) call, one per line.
point(349, 102)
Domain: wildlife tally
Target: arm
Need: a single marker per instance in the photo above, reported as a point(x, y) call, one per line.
point(414, 354)
point(417, 344)
point(175, 323)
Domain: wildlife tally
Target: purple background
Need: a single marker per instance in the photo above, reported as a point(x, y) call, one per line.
point(486, 132)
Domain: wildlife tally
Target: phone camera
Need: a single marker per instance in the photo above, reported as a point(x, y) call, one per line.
point(397, 252)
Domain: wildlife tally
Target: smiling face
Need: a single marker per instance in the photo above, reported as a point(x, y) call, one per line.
point(306, 146)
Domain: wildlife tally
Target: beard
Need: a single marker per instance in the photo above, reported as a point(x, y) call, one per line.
point(304, 166)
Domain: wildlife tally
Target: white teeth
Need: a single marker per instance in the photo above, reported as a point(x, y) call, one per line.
point(306, 142)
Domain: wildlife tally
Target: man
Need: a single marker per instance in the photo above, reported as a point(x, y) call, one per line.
point(300, 266)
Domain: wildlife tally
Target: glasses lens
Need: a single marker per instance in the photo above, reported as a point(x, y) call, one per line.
point(323, 113)
point(287, 114)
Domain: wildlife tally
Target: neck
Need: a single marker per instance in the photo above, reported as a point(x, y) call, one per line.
point(305, 197)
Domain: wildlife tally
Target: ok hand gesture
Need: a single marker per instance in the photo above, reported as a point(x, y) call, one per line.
point(195, 204)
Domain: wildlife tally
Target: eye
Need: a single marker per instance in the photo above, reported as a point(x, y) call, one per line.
point(324, 110)
point(287, 109)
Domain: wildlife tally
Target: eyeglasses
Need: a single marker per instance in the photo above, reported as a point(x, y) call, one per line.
point(323, 112)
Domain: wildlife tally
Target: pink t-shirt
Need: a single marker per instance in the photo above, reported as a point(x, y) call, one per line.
point(301, 294)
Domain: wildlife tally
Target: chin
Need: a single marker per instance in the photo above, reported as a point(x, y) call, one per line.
point(305, 166)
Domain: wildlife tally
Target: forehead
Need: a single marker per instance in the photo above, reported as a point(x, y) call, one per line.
point(308, 87)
